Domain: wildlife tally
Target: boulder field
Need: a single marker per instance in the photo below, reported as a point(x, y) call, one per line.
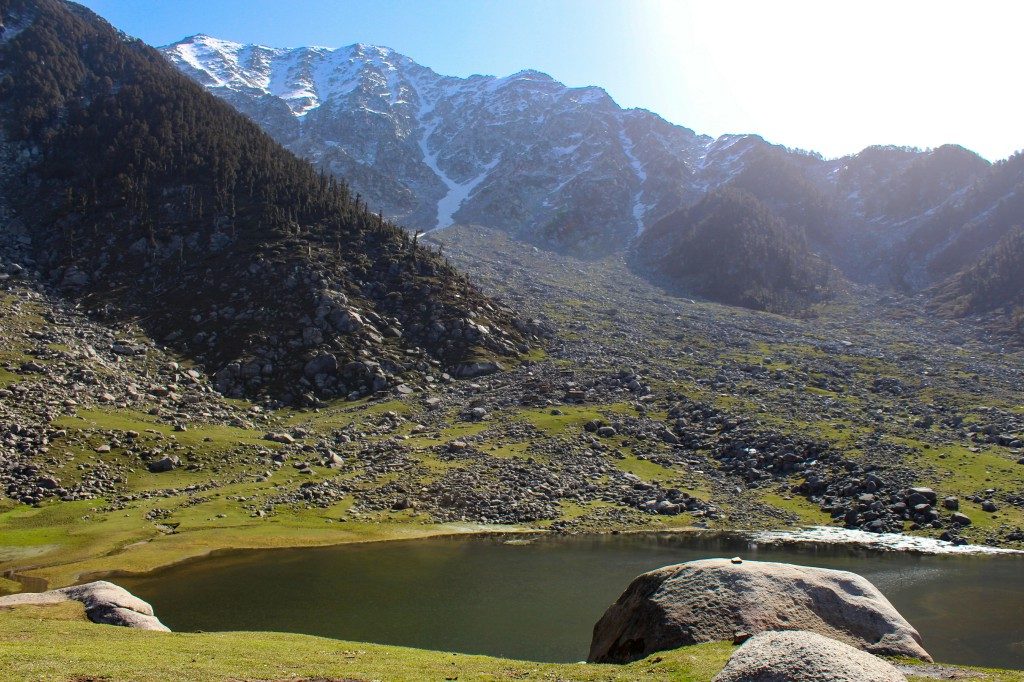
point(730, 599)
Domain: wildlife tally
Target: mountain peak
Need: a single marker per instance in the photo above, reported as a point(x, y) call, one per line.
point(531, 75)
point(208, 41)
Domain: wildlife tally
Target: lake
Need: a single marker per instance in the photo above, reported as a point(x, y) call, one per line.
point(537, 598)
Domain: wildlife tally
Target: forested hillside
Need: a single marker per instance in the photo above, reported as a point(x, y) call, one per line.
point(733, 249)
point(149, 198)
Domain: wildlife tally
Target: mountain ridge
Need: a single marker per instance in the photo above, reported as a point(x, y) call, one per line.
point(414, 112)
point(550, 163)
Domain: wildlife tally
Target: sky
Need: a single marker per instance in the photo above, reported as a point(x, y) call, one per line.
point(833, 76)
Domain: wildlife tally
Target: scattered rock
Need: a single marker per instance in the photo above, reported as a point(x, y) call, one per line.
point(284, 438)
point(166, 463)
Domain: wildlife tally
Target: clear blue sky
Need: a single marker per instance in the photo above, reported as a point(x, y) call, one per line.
point(817, 74)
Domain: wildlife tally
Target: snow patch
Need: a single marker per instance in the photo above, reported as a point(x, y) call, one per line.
point(458, 193)
point(893, 542)
point(639, 208)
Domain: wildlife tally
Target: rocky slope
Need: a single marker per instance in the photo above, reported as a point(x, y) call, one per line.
point(146, 198)
point(995, 283)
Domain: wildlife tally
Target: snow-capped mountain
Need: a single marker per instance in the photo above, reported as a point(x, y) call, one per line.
point(562, 165)
point(524, 152)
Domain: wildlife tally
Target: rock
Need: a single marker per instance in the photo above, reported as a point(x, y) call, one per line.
point(927, 493)
point(711, 599)
point(740, 637)
point(989, 506)
point(951, 503)
point(606, 432)
point(960, 519)
point(104, 603)
point(470, 370)
point(284, 438)
point(798, 656)
point(166, 463)
point(324, 363)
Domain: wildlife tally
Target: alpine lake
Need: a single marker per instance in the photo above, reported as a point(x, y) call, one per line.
point(538, 597)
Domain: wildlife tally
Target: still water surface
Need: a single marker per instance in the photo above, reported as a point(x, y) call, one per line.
point(539, 601)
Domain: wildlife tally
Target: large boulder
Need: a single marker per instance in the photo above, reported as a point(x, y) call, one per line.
point(798, 656)
point(714, 599)
point(104, 603)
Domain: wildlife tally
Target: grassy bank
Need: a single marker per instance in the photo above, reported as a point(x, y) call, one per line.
point(54, 544)
point(57, 643)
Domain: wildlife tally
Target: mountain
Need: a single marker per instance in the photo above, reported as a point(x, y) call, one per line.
point(959, 233)
point(731, 248)
point(559, 165)
point(522, 153)
point(145, 197)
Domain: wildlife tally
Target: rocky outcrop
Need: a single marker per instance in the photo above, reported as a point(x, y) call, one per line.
point(104, 603)
point(804, 657)
point(714, 599)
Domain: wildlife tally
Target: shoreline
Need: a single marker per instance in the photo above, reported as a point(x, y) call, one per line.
point(806, 536)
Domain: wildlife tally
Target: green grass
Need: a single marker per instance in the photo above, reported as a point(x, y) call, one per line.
point(570, 416)
point(455, 431)
point(649, 471)
point(44, 643)
point(55, 643)
point(61, 543)
point(809, 514)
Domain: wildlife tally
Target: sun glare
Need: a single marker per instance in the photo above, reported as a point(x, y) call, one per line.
point(920, 73)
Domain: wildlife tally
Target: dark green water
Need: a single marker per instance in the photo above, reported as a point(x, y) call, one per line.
point(539, 601)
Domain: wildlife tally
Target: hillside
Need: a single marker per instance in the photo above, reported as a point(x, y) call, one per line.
point(994, 283)
point(956, 235)
point(147, 198)
point(732, 249)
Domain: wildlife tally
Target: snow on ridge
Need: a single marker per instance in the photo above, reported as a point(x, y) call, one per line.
point(457, 192)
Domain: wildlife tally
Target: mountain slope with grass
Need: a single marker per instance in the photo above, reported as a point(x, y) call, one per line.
point(146, 198)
